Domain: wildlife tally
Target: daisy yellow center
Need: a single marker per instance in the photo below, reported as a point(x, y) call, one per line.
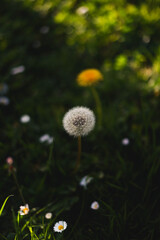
point(24, 210)
point(60, 227)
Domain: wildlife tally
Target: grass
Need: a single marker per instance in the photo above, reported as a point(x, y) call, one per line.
point(125, 178)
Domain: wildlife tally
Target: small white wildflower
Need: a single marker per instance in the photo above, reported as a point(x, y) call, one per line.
point(46, 138)
point(95, 205)
point(82, 10)
point(79, 121)
point(125, 141)
point(85, 181)
point(25, 119)
point(48, 215)
point(17, 70)
point(44, 29)
point(24, 209)
point(4, 101)
point(60, 226)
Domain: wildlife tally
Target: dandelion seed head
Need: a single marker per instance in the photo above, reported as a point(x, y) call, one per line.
point(79, 121)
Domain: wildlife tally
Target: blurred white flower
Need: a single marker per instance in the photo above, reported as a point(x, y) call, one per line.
point(17, 70)
point(79, 121)
point(82, 10)
point(4, 101)
point(85, 181)
point(48, 215)
point(44, 29)
point(95, 205)
point(25, 119)
point(3, 88)
point(46, 138)
point(60, 226)
point(24, 209)
point(125, 141)
point(9, 161)
point(146, 38)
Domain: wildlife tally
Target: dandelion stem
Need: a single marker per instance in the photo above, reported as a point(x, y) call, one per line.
point(98, 106)
point(79, 154)
point(17, 184)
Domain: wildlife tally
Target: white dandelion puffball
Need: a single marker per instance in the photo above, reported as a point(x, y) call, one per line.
point(24, 210)
point(60, 226)
point(79, 121)
point(95, 205)
point(25, 119)
point(48, 215)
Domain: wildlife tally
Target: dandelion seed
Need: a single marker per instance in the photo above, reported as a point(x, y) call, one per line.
point(44, 29)
point(125, 141)
point(4, 101)
point(79, 121)
point(48, 215)
point(85, 181)
point(17, 70)
point(95, 205)
point(24, 210)
point(60, 226)
point(25, 119)
point(89, 77)
point(82, 10)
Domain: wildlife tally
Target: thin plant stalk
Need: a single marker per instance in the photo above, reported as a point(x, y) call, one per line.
point(79, 154)
point(18, 187)
point(98, 106)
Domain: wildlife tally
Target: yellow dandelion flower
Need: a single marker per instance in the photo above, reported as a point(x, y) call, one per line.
point(89, 77)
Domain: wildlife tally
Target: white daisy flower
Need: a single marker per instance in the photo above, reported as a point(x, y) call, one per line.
point(24, 210)
point(25, 119)
point(46, 138)
point(17, 70)
point(125, 141)
point(85, 181)
point(95, 205)
point(79, 121)
point(60, 226)
point(48, 215)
